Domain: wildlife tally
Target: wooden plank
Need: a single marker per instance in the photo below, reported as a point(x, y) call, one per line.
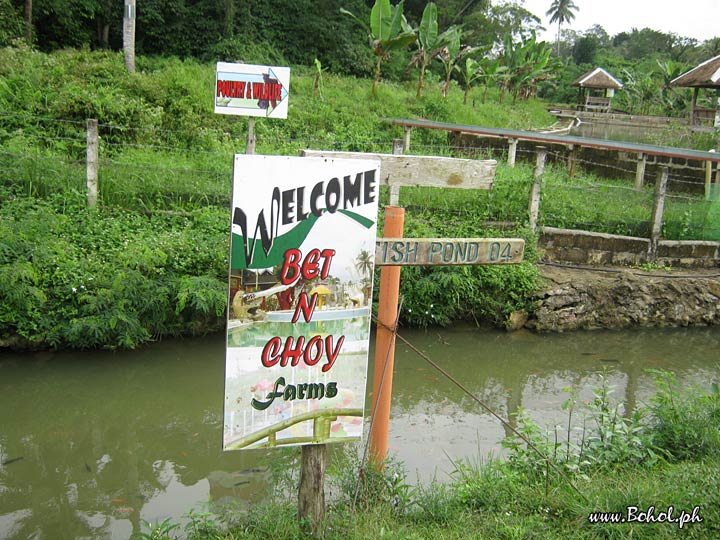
point(431, 171)
point(448, 251)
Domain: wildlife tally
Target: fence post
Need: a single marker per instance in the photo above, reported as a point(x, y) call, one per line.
point(708, 178)
point(657, 211)
point(398, 149)
point(250, 143)
point(571, 161)
point(534, 209)
point(640, 171)
point(92, 162)
point(311, 491)
point(512, 151)
point(129, 35)
point(385, 343)
point(406, 143)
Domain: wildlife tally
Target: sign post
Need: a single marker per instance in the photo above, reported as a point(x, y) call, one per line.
point(391, 254)
point(250, 90)
point(300, 293)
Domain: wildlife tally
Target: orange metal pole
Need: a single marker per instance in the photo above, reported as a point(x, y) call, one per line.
point(385, 342)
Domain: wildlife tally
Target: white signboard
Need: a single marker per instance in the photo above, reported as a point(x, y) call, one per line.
point(301, 273)
point(248, 90)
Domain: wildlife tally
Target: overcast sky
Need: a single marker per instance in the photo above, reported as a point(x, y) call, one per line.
point(699, 19)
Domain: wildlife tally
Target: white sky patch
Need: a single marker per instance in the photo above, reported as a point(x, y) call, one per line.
point(699, 19)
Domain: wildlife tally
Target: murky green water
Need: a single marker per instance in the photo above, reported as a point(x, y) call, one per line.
point(93, 443)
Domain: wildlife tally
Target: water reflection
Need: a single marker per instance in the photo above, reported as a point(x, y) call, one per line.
point(110, 439)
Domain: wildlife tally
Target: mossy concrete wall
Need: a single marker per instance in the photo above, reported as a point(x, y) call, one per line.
point(583, 247)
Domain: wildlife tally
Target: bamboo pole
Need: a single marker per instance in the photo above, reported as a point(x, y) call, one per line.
point(385, 342)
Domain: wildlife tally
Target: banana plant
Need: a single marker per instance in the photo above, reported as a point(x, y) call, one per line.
point(388, 31)
point(452, 53)
point(429, 42)
point(470, 72)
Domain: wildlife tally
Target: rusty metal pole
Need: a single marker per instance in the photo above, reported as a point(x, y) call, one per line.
point(385, 342)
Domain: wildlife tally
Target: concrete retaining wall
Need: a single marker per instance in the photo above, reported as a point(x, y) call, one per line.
point(582, 247)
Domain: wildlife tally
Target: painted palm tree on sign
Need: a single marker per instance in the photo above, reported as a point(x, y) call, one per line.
point(562, 12)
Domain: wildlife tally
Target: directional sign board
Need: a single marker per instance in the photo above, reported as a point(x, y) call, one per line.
point(448, 251)
point(249, 90)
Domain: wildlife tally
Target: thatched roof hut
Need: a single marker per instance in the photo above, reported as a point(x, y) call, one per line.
point(597, 78)
point(705, 75)
point(596, 88)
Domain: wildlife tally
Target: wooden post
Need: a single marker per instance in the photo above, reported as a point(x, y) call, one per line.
point(657, 211)
point(385, 343)
point(92, 162)
point(708, 178)
point(398, 149)
point(640, 171)
point(129, 35)
point(311, 491)
point(250, 143)
point(534, 209)
point(571, 161)
point(406, 144)
point(512, 152)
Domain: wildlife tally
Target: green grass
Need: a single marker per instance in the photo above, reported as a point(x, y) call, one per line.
point(514, 499)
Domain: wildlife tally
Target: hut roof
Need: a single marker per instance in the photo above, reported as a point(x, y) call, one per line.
point(598, 78)
point(706, 75)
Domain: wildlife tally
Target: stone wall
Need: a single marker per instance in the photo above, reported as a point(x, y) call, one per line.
point(627, 300)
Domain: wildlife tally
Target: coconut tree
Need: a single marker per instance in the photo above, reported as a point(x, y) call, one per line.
point(561, 11)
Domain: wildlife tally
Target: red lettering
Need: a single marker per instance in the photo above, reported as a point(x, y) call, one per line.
point(293, 354)
point(306, 308)
point(332, 354)
point(328, 254)
point(271, 352)
point(317, 342)
point(311, 266)
point(292, 258)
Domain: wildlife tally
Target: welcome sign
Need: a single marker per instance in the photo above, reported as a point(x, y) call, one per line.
point(301, 273)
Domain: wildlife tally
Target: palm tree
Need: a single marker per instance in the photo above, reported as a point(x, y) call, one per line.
point(364, 262)
point(562, 12)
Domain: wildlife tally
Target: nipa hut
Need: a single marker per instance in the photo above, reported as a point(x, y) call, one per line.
point(596, 89)
point(707, 76)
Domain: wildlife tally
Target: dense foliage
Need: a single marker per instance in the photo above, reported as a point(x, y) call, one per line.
point(75, 277)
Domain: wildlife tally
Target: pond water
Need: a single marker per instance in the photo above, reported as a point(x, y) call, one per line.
point(92, 443)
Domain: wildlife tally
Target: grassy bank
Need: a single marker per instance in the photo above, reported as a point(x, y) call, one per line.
point(165, 172)
point(664, 455)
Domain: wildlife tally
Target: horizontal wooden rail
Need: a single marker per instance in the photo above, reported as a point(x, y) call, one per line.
point(604, 144)
point(433, 171)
